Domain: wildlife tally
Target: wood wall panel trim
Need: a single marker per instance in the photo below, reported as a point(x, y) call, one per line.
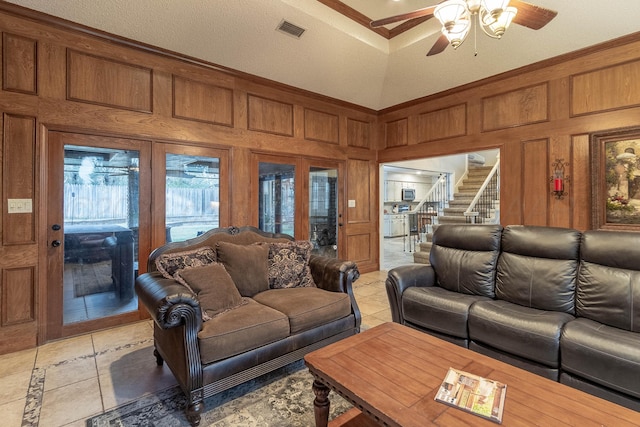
point(19, 64)
point(359, 188)
point(202, 102)
point(18, 178)
point(18, 296)
point(269, 116)
point(321, 126)
point(606, 89)
point(358, 133)
point(535, 182)
point(444, 123)
point(103, 81)
point(359, 247)
point(523, 106)
point(396, 133)
point(580, 183)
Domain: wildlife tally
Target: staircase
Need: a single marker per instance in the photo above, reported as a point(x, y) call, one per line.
point(454, 214)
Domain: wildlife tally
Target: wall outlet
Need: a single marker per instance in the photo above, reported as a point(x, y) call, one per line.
point(20, 205)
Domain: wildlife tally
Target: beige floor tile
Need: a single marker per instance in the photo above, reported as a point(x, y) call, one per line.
point(12, 413)
point(124, 383)
point(123, 336)
point(63, 350)
point(375, 298)
point(373, 321)
point(371, 307)
point(124, 357)
point(20, 361)
point(14, 387)
point(69, 373)
point(372, 277)
point(70, 403)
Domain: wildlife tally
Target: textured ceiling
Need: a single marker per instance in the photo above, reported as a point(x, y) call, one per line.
point(336, 56)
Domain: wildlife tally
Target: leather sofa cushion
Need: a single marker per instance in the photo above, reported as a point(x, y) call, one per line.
point(241, 329)
point(438, 309)
point(306, 308)
point(602, 354)
point(538, 267)
point(609, 279)
point(247, 265)
point(464, 258)
point(523, 331)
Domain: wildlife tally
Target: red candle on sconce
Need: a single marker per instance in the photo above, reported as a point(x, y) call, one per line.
point(558, 185)
point(558, 178)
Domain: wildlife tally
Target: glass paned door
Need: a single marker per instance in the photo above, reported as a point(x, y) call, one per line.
point(192, 196)
point(323, 210)
point(101, 223)
point(276, 198)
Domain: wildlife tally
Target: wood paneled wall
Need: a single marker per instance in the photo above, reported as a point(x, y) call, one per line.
point(535, 115)
point(59, 78)
point(56, 77)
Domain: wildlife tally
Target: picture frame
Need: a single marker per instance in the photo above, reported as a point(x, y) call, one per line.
point(615, 179)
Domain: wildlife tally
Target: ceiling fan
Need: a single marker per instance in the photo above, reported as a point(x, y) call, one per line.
point(492, 16)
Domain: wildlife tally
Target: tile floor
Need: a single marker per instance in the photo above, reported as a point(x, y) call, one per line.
point(63, 383)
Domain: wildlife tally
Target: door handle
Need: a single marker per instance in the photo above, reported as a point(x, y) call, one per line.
point(55, 243)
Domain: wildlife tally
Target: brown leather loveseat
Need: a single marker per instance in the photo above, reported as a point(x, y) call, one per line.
point(235, 303)
point(554, 301)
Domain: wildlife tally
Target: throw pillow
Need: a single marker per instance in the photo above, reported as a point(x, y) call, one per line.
point(247, 266)
point(214, 287)
point(169, 264)
point(289, 265)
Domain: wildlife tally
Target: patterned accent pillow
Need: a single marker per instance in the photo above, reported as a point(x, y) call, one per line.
point(289, 265)
point(169, 264)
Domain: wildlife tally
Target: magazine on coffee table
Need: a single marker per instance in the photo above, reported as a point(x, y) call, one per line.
point(474, 394)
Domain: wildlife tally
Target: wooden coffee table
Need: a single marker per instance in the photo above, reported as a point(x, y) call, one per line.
point(390, 373)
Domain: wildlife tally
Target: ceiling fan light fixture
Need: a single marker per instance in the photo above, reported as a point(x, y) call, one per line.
point(450, 12)
point(493, 9)
point(458, 32)
point(504, 20)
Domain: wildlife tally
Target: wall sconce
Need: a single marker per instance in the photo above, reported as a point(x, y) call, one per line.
point(558, 179)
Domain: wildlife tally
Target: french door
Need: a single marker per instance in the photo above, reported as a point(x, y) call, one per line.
point(302, 198)
point(96, 203)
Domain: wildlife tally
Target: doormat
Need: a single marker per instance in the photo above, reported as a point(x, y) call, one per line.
point(282, 398)
point(89, 279)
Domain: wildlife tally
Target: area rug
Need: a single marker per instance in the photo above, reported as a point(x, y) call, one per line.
point(282, 398)
point(89, 279)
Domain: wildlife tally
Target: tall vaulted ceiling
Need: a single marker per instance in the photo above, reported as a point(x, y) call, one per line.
point(336, 55)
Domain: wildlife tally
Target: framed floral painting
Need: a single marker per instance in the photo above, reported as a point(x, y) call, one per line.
point(615, 179)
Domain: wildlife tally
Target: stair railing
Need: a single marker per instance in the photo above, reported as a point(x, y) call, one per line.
point(420, 219)
point(483, 204)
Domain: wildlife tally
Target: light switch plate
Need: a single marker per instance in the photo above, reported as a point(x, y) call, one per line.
point(20, 205)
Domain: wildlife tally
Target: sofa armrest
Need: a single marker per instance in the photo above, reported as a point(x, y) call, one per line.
point(336, 275)
point(169, 303)
point(403, 277)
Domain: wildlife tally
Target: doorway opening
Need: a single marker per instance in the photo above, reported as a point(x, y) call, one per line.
point(418, 195)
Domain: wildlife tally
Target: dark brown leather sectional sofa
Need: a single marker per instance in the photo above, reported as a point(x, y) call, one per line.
point(558, 302)
point(272, 327)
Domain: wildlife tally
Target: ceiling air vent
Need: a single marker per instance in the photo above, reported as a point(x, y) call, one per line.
point(290, 29)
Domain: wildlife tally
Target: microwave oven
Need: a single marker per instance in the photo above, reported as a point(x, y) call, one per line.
point(408, 194)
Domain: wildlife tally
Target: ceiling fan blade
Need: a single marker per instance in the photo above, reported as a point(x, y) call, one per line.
point(439, 46)
point(532, 16)
point(403, 17)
